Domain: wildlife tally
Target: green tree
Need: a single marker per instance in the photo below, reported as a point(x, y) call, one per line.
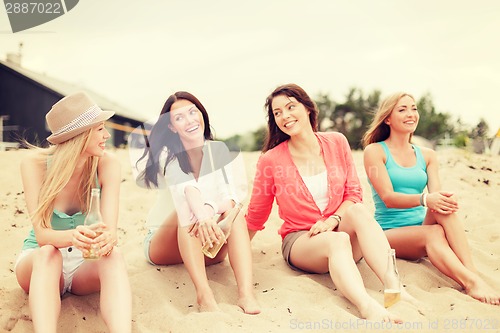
point(353, 117)
point(326, 106)
point(259, 136)
point(432, 124)
point(460, 134)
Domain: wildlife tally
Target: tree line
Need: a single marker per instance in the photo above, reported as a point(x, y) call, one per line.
point(353, 116)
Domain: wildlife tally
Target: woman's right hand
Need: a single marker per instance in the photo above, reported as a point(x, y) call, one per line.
point(323, 225)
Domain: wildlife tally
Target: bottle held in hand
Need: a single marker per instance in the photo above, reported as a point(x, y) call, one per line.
point(225, 225)
point(93, 217)
point(392, 284)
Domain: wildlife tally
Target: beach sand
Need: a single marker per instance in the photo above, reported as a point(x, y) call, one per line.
point(164, 297)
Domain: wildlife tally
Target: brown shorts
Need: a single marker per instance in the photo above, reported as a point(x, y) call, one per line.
point(286, 247)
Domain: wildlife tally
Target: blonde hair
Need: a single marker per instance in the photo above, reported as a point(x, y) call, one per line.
point(378, 129)
point(61, 162)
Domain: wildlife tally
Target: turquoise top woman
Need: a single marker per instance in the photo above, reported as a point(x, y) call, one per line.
point(398, 176)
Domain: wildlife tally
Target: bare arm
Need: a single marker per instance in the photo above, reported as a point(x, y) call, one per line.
point(33, 169)
point(374, 161)
point(443, 202)
point(195, 201)
point(109, 174)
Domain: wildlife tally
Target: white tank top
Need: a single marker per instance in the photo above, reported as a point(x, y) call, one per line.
point(318, 187)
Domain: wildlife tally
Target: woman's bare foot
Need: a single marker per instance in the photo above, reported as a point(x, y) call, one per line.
point(481, 291)
point(208, 304)
point(421, 307)
point(249, 305)
point(375, 312)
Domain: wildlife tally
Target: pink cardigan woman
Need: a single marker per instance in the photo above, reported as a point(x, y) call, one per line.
point(312, 176)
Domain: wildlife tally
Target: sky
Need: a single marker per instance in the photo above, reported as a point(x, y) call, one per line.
point(232, 54)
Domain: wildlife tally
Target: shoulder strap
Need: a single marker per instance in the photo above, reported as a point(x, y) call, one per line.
point(386, 149)
point(420, 157)
point(97, 185)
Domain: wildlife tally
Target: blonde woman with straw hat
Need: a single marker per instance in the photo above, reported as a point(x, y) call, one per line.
point(57, 183)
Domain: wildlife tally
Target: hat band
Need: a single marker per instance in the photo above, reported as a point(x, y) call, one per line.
point(82, 120)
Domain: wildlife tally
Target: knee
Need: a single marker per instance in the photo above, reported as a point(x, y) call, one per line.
point(435, 234)
point(115, 255)
point(444, 220)
point(339, 241)
point(358, 212)
point(47, 256)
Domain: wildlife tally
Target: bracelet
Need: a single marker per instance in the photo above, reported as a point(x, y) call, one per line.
point(423, 199)
point(336, 217)
point(213, 205)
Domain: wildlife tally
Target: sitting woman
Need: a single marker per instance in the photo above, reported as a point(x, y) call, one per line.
point(398, 172)
point(312, 176)
point(195, 188)
point(57, 183)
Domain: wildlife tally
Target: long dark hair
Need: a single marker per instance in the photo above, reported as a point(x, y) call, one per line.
point(162, 137)
point(275, 136)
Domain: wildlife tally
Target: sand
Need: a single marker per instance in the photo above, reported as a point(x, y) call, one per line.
point(164, 297)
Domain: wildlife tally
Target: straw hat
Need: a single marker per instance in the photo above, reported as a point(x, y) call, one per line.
point(73, 115)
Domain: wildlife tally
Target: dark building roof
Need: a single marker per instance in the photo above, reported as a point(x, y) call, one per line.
point(26, 96)
point(65, 88)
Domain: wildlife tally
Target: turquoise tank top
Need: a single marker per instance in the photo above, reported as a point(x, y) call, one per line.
point(411, 180)
point(60, 221)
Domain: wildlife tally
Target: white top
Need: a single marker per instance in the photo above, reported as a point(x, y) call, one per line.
point(318, 187)
point(212, 185)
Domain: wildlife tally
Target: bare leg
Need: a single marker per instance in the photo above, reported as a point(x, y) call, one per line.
point(367, 238)
point(240, 257)
point(369, 241)
point(190, 249)
point(455, 234)
point(171, 245)
point(40, 273)
point(109, 275)
point(164, 247)
point(331, 251)
point(418, 241)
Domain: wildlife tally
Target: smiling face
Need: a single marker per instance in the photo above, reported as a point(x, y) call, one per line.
point(404, 117)
point(97, 140)
point(290, 116)
point(187, 121)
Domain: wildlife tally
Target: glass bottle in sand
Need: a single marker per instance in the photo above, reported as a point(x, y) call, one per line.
point(392, 284)
point(93, 217)
point(225, 226)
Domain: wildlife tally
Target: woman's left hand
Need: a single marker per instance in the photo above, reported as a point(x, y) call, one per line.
point(106, 241)
point(442, 202)
point(208, 231)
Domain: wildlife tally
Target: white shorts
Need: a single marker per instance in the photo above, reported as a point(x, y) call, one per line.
point(72, 259)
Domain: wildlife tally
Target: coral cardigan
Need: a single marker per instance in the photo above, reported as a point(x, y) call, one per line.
point(277, 177)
